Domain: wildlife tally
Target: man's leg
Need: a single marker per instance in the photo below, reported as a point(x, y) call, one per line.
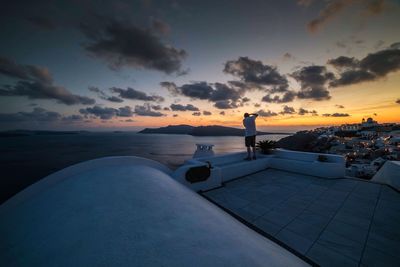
point(253, 146)
point(248, 152)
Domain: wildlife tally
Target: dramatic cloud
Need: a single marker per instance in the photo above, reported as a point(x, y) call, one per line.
point(104, 96)
point(156, 107)
point(287, 110)
point(179, 107)
point(207, 113)
point(134, 94)
point(24, 72)
point(313, 80)
point(122, 44)
point(146, 110)
point(42, 22)
point(196, 113)
point(285, 98)
point(106, 113)
point(36, 83)
point(225, 104)
point(344, 62)
point(372, 67)
point(223, 96)
point(256, 73)
point(303, 111)
point(267, 113)
point(336, 115)
point(38, 90)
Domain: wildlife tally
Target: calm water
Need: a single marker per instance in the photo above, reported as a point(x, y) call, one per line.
point(26, 159)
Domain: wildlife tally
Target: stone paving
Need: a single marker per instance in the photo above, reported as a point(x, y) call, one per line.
point(340, 222)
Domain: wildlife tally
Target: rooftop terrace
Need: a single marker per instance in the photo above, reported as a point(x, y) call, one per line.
point(333, 222)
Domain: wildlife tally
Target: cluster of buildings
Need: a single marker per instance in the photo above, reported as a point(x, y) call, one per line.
point(366, 145)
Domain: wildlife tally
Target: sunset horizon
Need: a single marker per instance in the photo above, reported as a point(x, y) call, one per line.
point(132, 65)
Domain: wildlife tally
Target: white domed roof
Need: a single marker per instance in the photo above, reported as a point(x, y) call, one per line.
point(125, 211)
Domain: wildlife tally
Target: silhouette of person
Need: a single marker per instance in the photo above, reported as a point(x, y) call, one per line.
point(249, 123)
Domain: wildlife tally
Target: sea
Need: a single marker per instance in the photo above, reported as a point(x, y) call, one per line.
point(26, 159)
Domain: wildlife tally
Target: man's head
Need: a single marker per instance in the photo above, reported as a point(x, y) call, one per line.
point(246, 115)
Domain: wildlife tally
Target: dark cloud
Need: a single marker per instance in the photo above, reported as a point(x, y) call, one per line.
point(372, 67)
point(124, 112)
point(36, 83)
point(156, 107)
point(223, 96)
point(42, 22)
point(122, 44)
point(171, 87)
point(175, 115)
point(303, 111)
point(382, 62)
point(344, 62)
point(179, 107)
point(146, 110)
point(398, 101)
point(24, 72)
point(285, 98)
point(207, 113)
point(222, 113)
point(106, 113)
point(257, 105)
point(200, 90)
point(37, 115)
point(352, 77)
point(225, 104)
point(395, 45)
point(313, 80)
point(160, 26)
point(134, 94)
point(104, 96)
point(287, 110)
point(38, 90)
point(255, 72)
point(196, 113)
point(166, 108)
point(336, 115)
point(339, 106)
point(246, 99)
point(267, 113)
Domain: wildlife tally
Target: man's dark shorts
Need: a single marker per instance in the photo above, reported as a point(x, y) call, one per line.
point(250, 141)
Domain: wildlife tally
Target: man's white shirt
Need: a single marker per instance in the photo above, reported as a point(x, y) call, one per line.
point(249, 124)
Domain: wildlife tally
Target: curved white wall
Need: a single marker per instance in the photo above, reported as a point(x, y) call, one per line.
point(118, 213)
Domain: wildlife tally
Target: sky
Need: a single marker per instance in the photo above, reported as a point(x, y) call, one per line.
point(127, 65)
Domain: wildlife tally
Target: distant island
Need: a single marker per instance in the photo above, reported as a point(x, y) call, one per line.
point(213, 130)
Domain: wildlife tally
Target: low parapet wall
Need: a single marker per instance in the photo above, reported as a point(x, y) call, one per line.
point(232, 166)
point(332, 166)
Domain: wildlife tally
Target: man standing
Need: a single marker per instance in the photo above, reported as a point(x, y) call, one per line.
point(249, 123)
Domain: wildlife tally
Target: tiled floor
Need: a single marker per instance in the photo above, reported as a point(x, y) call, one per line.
point(339, 222)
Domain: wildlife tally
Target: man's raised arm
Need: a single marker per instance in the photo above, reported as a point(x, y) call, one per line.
point(254, 114)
